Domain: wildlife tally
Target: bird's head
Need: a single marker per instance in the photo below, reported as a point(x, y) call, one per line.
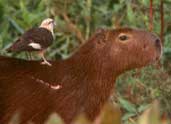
point(48, 24)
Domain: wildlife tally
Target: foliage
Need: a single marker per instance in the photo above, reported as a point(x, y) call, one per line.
point(111, 114)
point(77, 20)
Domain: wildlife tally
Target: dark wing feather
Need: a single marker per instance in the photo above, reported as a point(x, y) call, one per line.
point(41, 36)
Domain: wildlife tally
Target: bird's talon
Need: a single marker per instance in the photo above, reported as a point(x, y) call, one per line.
point(46, 63)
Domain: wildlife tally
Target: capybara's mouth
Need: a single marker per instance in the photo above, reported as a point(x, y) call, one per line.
point(159, 53)
point(157, 57)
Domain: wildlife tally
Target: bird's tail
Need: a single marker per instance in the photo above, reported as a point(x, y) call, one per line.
point(13, 47)
point(9, 49)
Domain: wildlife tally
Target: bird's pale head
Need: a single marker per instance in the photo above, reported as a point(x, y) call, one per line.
point(48, 24)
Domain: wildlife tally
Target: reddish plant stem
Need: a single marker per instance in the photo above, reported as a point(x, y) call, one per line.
point(151, 16)
point(161, 21)
point(73, 28)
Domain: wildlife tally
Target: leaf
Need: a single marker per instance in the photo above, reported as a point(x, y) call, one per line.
point(130, 13)
point(143, 107)
point(15, 118)
point(145, 2)
point(151, 115)
point(54, 119)
point(81, 119)
point(18, 28)
point(127, 105)
point(111, 114)
point(127, 116)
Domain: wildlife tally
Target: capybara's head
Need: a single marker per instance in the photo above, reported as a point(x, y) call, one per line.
point(126, 48)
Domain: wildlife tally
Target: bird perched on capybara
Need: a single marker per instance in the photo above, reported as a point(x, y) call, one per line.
point(35, 39)
point(85, 80)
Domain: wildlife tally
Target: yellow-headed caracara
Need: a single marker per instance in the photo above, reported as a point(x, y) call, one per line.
point(36, 39)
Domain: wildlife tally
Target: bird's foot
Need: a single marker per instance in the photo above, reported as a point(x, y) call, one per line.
point(46, 63)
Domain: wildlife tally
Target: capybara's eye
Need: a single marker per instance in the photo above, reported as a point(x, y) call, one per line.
point(123, 37)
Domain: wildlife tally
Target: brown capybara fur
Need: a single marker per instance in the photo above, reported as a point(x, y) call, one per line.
point(86, 79)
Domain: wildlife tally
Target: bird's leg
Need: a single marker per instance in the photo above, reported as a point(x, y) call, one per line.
point(44, 59)
point(29, 56)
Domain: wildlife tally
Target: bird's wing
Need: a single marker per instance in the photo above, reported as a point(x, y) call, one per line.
point(34, 39)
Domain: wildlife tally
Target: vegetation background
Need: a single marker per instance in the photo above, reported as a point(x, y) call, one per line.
point(77, 20)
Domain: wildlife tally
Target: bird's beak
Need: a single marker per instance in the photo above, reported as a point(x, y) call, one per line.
point(54, 23)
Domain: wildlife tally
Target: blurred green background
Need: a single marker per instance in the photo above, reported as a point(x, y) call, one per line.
point(77, 20)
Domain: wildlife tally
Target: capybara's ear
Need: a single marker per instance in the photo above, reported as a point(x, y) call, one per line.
point(100, 37)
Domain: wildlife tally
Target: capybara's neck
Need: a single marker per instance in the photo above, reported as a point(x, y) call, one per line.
point(90, 80)
point(92, 65)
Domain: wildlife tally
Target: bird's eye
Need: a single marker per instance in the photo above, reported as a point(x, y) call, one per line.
point(123, 37)
point(50, 22)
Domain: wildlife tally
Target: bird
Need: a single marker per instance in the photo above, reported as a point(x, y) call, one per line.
point(36, 39)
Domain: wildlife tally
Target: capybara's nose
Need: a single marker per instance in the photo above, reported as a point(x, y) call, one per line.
point(158, 44)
